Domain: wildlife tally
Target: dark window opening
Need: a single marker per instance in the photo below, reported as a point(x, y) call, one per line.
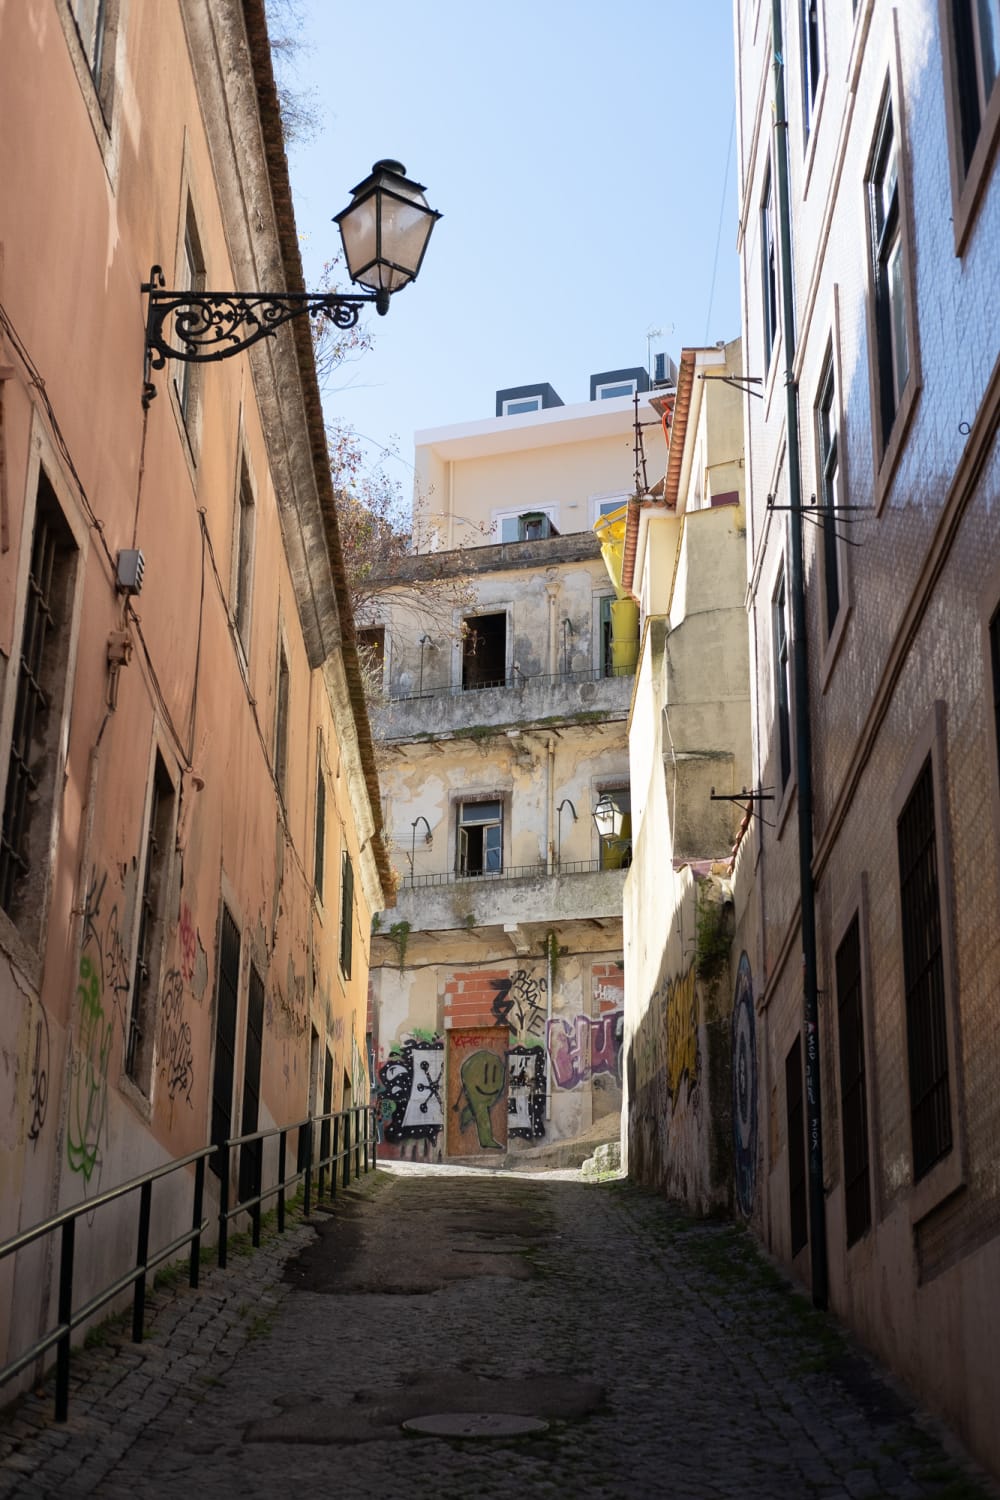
point(142, 1010)
point(480, 838)
point(769, 268)
point(325, 1131)
point(371, 650)
point(484, 651)
point(853, 1101)
point(798, 1208)
point(923, 977)
point(886, 248)
point(251, 1156)
point(320, 849)
point(245, 518)
point(346, 914)
point(976, 26)
point(227, 999)
point(826, 432)
point(607, 659)
point(190, 278)
point(38, 697)
point(782, 684)
point(281, 722)
point(811, 60)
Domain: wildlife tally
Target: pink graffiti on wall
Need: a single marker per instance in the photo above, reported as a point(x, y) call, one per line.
point(585, 1047)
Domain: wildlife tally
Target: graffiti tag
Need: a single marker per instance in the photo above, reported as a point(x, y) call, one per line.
point(176, 1052)
point(519, 1003)
point(585, 1047)
point(39, 1096)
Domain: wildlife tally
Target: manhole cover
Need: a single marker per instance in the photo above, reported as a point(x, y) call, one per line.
point(474, 1424)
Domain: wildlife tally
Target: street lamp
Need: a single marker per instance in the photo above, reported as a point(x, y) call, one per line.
point(385, 230)
point(607, 817)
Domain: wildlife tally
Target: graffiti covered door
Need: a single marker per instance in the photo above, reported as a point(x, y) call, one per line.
point(477, 1091)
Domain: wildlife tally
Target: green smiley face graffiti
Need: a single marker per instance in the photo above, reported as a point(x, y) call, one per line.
point(483, 1075)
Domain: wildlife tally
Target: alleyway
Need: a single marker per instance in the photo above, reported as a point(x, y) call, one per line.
point(666, 1357)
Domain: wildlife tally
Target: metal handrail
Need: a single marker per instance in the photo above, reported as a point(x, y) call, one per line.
point(517, 680)
point(68, 1318)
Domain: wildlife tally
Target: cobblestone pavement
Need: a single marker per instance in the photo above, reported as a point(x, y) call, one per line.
point(668, 1358)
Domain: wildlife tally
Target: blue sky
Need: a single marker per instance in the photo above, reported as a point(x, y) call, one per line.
point(578, 152)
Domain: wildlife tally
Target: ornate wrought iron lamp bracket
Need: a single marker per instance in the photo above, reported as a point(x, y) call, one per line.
point(204, 327)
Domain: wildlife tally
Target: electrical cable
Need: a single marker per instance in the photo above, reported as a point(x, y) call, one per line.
point(722, 211)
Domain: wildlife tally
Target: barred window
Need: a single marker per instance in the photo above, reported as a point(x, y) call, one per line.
point(923, 977)
point(39, 696)
point(853, 1101)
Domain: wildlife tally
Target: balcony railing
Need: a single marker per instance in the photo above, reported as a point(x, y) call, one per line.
point(518, 680)
point(521, 872)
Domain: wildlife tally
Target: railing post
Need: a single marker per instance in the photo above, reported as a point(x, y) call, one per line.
point(65, 1314)
point(347, 1148)
point(194, 1266)
point(141, 1257)
point(307, 1206)
point(257, 1147)
point(281, 1183)
point(324, 1147)
point(368, 1121)
point(335, 1159)
point(224, 1205)
point(357, 1141)
point(375, 1115)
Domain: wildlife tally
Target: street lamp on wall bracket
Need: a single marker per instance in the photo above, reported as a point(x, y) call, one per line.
point(384, 230)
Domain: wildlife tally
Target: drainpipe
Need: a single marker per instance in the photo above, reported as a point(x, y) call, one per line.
point(800, 665)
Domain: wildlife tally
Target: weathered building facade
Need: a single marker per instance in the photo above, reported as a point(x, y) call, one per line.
point(190, 850)
point(507, 676)
point(874, 299)
point(689, 747)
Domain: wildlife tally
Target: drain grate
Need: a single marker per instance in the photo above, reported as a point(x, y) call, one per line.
point(474, 1424)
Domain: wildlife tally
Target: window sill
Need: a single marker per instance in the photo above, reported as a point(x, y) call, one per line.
point(133, 1093)
point(967, 192)
point(943, 1181)
point(831, 650)
point(20, 953)
point(809, 147)
point(784, 806)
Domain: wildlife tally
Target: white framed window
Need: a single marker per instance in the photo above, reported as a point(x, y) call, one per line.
point(526, 525)
point(614, 388)
point(606, 505)
point(479, 837)
point(516, 406)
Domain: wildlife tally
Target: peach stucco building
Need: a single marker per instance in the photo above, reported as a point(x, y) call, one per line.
point(191, 850)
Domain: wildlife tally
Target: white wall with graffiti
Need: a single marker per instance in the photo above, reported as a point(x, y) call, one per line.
point(553, 1060)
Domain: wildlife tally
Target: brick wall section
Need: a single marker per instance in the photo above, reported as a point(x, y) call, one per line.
point(469, 997)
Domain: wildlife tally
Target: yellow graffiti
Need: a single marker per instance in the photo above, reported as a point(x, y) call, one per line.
point(682, 1033)
point(666, 1043)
